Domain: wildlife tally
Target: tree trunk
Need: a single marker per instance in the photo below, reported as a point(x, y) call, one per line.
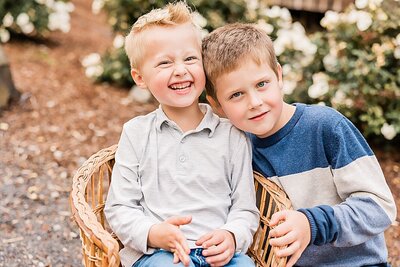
point(7, 89)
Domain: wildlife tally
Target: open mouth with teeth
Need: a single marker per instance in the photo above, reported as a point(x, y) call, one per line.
point(180, 86)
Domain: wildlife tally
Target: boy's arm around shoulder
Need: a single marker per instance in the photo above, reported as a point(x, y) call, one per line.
point(243, 217)
point(368, 206)
point(123, 210)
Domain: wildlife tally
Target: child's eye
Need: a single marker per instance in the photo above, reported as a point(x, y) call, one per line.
point(164, 63)
point(191, 58)
point(261, 84)
point(235, 95)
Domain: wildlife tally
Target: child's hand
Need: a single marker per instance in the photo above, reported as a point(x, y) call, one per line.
point(219, 247)
point(168, 236)
point(294, 232)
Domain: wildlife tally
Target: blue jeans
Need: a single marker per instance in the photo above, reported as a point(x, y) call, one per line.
point(163, 258)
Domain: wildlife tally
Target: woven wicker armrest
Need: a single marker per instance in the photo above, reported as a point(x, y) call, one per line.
point(100, 247)
point(87, 198)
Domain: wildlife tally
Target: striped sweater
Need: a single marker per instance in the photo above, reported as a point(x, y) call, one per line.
point(331, 175)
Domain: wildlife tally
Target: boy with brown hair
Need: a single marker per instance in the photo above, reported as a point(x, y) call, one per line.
point(343, 204)
point(182, 190)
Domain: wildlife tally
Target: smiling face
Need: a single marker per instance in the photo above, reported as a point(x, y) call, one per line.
point(172, 67)
point(252, 99)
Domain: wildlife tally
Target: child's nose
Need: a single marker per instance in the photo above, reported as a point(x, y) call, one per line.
point(255, 100)
point(180, 69)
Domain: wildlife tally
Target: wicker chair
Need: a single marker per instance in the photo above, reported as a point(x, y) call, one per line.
point(100, 246)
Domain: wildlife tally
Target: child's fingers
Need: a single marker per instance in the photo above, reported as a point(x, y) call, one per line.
point(182, 255)
point(283, 240)
point(277, 217)
point(215, 240)
point(280, 230)
point(176, 258)
point(219, 259)
point(179, 220)
point(289, 250)
point(293, 259)
point(203, 238)
point(183, 243)
point(215, 250)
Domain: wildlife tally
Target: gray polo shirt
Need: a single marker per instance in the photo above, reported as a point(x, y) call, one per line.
point(161, 172)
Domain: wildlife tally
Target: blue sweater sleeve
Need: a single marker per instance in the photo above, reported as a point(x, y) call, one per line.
point(368, 206)
point(323, 225)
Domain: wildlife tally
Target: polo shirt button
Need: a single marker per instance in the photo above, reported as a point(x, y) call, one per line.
point(182, 158)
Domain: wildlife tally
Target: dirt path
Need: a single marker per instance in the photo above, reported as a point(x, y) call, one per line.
point(62, 121)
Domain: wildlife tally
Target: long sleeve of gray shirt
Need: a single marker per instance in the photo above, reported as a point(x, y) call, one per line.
point(162, 172)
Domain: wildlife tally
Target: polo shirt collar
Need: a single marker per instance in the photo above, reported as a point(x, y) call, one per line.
point(210, 120)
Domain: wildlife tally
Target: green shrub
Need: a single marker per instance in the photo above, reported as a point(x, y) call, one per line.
point(356, 68)
point(33, 17)
point(352, 66)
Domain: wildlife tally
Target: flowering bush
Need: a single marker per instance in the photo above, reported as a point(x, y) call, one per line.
point(33, 17)
point(352, 66)
point(356, 68)
point(292, 43)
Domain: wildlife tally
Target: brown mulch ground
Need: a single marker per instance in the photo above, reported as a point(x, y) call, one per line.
point(62, 119)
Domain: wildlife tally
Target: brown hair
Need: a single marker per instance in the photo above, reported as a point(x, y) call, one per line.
point(226, 47)
point(172, 14)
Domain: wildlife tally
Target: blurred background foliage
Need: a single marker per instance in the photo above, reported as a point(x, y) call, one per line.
point(33, 18)
point(351, 62)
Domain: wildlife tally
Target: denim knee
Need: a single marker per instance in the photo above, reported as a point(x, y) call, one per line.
point(160, 258)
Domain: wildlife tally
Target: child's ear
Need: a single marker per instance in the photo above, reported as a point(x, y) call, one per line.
point(138, 78)
point(279, 73)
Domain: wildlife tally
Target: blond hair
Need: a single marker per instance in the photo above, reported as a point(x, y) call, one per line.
point(228, 46)
point(171, 15)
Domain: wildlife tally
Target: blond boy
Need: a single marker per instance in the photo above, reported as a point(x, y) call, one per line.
point(316, 155)
point(182, 189)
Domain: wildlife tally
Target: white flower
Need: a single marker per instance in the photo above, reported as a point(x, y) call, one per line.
point(330, 62)
point(397, 52)
point(49, 3)
point(320, 85)
point(285, 14)
point(338, 98)
point(199, 20)
point(374, 4)
point(268, 28)
point(398, 39)
point(119, 41)
point(8, 20)
point(282, 41)
point(91, 59)
point(388, 131)
point(381, 15)
point(330, 19)
point(204, 33)
point(289, 86)
point(139, 94)
point(97, 5)
point(94, 71)
point(41, 2)
point(274, 12)
point(364, 20)
point(59, 21)
point(351, 17)
point(360, 4)
point(4, 35)
point(27, 28)
point(286, 69)
point(22, 19)
point(252, 4)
